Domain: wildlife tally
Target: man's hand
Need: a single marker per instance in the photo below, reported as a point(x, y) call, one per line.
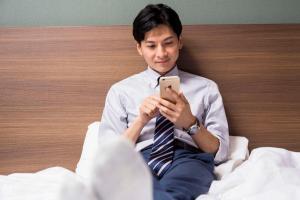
point(149, 108)
point(178, 110)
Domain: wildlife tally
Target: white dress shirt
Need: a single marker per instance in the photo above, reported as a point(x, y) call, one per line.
point(125, 97)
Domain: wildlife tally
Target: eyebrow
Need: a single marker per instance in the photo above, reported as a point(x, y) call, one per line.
point(168, 38)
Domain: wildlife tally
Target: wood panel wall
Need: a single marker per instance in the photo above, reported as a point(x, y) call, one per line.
point(53, 82)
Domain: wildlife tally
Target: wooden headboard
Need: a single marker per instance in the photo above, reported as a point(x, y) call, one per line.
point(53, 82)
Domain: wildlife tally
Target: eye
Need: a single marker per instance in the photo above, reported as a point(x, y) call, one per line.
point(169, 43)
point(151, 46)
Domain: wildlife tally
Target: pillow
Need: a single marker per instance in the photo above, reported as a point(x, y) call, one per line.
point(238, 152)
point(89, 150)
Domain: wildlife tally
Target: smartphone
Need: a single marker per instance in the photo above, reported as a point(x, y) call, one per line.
point(171, 82)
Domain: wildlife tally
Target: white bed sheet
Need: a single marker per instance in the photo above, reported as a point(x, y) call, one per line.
point(109, 178)
point(45, 184)
point(269, 173)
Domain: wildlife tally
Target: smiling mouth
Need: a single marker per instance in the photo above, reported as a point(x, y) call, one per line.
point(163, 61)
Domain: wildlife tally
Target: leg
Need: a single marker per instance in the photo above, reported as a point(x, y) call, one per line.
point(119, 172)
point(159, 192)
point(189, 176)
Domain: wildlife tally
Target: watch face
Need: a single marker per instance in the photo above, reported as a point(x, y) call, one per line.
point(194, 130)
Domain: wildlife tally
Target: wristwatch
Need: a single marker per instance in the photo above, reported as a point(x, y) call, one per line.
point(192, 130)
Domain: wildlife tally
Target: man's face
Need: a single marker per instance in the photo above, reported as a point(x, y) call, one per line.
point(160, 48)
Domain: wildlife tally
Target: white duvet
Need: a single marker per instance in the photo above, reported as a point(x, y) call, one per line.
point(46, 184)
point(269, 173)
point(108, 178)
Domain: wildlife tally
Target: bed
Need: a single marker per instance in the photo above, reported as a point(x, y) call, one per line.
point(53, 83)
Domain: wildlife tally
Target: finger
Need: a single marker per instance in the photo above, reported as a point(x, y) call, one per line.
point(167, 111)
point(144, 110)
point(166, 103)
point(151, 104)
point(181, 95)
point(166, 115)
point(152, 108)
point(155, 96)
point(152, 101)
point(173, 94)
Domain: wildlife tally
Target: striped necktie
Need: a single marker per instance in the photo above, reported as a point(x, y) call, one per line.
point(163, 146)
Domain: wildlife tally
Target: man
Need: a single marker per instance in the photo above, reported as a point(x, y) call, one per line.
point(179, 139)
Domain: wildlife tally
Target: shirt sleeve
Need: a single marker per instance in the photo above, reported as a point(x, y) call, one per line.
point(114, 116)
point(215, 121)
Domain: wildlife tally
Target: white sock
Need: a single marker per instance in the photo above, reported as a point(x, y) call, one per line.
point(119, 172)
point(76, 189)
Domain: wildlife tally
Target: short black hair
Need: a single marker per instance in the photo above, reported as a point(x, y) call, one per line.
point(152, 16)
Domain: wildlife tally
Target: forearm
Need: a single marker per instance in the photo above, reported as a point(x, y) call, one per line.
point(133, 132)
point(206, 141)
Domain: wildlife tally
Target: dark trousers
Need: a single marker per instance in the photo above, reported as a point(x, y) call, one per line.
point(189, 176)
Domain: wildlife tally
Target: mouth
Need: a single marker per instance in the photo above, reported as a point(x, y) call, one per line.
point(162, 61)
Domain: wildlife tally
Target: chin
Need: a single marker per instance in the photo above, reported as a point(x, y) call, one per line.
point(163, 68)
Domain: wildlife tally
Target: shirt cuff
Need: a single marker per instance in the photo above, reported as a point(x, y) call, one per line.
point(222, 152)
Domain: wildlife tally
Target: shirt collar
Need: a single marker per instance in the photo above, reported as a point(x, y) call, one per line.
point(153, 76)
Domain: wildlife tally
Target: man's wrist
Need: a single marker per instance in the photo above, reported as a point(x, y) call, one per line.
point(139, 120)
point(193, 128)
point(192, 122)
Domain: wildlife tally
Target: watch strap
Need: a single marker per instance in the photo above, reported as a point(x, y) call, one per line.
point(192, 130)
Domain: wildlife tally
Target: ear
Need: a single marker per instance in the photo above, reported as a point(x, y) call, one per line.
point(139, 49)
point(180, 42)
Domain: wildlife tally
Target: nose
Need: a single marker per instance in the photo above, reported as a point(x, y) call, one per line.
point(161, 52)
